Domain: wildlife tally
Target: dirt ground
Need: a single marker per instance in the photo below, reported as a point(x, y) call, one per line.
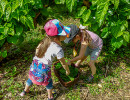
point(78, 92)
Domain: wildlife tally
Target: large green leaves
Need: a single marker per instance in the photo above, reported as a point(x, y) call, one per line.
point(70, 4)
point(105, 32)
point(29, 22)
point(12, 39)
point(117, 43)
point(3, 4)
point(8, 12)
point(23, 19)
point(15, 4)
point(101, 11)
point(86, 15)
point(118, 28)
point(126, 36)
point(19, 30)
point(81, 10)
point(94, 2)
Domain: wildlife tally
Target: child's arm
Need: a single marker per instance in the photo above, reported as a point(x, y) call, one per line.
point(65, 66)
point(81, 53)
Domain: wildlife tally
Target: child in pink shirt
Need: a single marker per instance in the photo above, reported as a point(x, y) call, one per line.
point(91, 44)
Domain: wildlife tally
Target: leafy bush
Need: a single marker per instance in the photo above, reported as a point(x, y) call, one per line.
point(16, 17)
point(107, 18)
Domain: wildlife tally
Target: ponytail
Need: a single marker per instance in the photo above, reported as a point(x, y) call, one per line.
point(43, 45)
point(86, 36)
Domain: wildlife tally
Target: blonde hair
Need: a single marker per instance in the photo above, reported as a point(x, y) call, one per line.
point(43, 45)
point(85, 37)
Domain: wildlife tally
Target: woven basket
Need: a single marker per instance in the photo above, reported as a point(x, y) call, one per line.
point(65, 84)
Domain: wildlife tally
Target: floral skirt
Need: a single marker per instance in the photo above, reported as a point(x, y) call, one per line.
point(40, 73)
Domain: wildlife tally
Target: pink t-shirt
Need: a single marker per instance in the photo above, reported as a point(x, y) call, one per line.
point(96, 40)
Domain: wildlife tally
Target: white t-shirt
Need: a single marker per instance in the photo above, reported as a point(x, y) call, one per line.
point(53, 51)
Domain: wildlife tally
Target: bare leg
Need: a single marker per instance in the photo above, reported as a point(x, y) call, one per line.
point(80, 61)
point(27, 87)
point(26, 90)
point(92, 66)
point(49, 93)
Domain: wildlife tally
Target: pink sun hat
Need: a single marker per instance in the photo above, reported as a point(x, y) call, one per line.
point(54, 27)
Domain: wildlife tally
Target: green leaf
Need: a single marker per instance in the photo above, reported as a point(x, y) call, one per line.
point(94, 2)
point(23, 19)
point(19, 30)
point(124, 43)
point(12, 39)
point(9, 24)
point(118, 28)
point(70, 4)
point(101, 12)
point(59, 1)
point(3, 4)
point(2, 42)
point(32, 13)
point(2, 36)
point(95, 27)
point(105, 32)
point(15, 5)
point(20, 3)
point(116, 31)
point(11, 31)
point(125, 23)
point(126, 36)
point(1, 29)
point(116, 3)
point(29, 22)
point(1, 12)
point(117, 43)
point(8, 12)
point(16, 15)
point(81, 11)
point(20, 40)
point(5, 30)
point(4, 53)
point(86, 15)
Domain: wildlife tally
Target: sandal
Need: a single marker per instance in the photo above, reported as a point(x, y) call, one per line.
point(23, 93)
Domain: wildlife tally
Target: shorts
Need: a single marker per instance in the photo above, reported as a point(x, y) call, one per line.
point(94, 53)
point(49, 86)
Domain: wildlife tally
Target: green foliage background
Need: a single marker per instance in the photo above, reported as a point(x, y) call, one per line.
point(108, 18)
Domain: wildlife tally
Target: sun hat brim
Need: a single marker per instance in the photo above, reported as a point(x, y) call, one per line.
point(73, 32)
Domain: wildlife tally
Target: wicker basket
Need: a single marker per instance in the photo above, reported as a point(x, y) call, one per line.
point(65, 84)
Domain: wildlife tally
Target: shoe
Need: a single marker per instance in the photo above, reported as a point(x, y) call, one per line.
point(90, 78)
point(23, 93)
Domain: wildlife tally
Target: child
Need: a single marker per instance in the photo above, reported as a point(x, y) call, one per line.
point(47, 50)
point(91, 44)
